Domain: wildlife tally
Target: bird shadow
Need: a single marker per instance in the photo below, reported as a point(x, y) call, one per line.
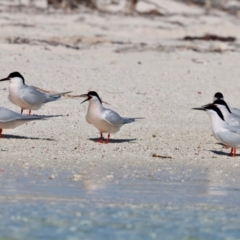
point(223, 145)
point(50, 116)
point(114, 140)
point(222, 153)
point(10, 136)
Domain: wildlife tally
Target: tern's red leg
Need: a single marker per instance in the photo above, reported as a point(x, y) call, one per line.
point(107, 139)
point(0, 132)
point(21, 110)
point(100, 139)
point(233, 152)
point(29, 113)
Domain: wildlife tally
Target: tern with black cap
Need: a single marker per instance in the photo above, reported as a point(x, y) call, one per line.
point(222, 131)
point(219, 96)
point(27, 97)
point(105, 120)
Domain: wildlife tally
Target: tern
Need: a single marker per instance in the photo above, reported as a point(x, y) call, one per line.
point(27, 97)
point(10, 119)
point(219, 96)
point(105, 120)
point(222, 131)
point(231, 118)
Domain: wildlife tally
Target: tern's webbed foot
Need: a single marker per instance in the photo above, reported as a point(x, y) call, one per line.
point(99, 140)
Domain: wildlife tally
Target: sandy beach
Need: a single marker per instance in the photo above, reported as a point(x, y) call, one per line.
point(139, 65)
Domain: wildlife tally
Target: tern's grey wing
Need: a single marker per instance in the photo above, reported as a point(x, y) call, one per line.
point(229, 135)
point(234, 129)
point(113, 118)
point(234, 120)
point(235, 111)
point(32, 96)
point(7, 115)
point(231, 138)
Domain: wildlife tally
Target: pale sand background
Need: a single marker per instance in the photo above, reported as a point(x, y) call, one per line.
point(141, 67)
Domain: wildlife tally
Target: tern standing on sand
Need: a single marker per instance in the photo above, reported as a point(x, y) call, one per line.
point(105, 120)
point(222, 131)
point(27, 97)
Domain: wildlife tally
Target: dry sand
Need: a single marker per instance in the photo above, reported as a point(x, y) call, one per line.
point(142, 68)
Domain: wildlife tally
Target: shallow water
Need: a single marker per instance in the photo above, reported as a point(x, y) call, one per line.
point(127, 209)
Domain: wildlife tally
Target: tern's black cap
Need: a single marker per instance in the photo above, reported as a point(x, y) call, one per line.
point(16, 74)
point(93, 93)
point(218, 95)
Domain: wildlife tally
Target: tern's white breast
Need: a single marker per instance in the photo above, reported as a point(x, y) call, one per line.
point(15, 88)
point(95, 116)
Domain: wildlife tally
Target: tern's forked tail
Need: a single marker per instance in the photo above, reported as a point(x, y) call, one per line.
point(130, 120)
point(55, 96)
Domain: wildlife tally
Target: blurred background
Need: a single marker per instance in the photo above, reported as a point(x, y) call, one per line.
point(127, 6)
point(161, 25)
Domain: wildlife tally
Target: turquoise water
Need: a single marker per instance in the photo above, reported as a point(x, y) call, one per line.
point(129, 209)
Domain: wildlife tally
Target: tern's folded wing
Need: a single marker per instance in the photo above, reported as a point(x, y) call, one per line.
point(234, 129)
point(112, 117)
point(32, 96)
point(234, 120)
point(7, 115)
point(230, 136)
point(236, 111)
